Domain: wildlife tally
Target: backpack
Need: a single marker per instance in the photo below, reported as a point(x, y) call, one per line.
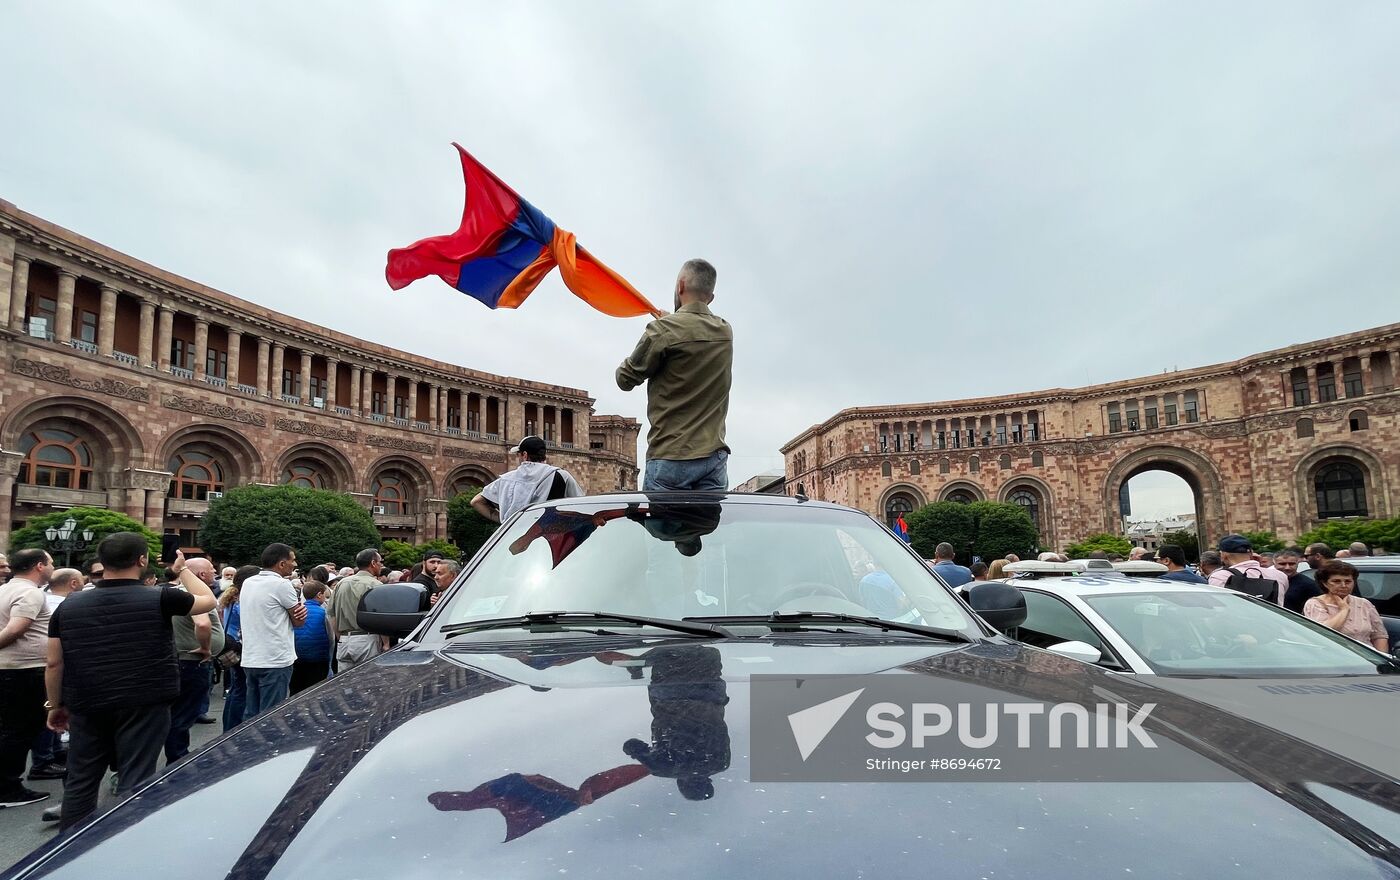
point(1258, 585)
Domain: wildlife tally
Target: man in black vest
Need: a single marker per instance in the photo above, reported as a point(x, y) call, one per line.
point(112, 673)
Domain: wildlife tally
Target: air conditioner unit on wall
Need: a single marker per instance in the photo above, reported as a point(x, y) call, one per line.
point(215, 495)
point(377, 510)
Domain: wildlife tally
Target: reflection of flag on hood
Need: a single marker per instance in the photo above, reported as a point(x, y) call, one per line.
point(504, 248)
point(527, 802)
point(901, 528)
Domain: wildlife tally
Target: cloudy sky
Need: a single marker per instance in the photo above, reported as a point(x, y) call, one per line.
point(906, 201)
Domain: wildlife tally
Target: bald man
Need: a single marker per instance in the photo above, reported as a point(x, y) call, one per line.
point(198, 639)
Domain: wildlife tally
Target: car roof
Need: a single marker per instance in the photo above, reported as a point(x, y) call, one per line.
point(1385, 562)
point(1113, 583)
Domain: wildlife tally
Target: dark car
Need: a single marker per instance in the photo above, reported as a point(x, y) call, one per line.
point(1378, 579)
point(581, 704)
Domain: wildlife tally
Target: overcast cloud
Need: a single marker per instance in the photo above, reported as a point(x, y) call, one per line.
point(905, 201)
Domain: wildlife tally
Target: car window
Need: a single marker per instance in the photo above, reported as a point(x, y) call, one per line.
point(1382, 588)
point(689, 559)
point(1208, 633)
point(1050, 620)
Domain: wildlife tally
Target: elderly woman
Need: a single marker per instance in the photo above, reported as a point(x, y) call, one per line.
point(1338, 609)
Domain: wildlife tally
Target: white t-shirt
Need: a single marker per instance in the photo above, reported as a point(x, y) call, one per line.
point(269, 642)
point(527, 484)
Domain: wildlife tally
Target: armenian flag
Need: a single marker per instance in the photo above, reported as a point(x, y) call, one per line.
point(901, 528)
point(504, 248)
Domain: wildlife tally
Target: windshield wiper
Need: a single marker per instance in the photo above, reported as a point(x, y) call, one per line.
point(554, 621)
point(799, 619)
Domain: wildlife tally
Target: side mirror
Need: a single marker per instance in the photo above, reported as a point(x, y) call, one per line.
point(392, 609)
point(1081, 651)
point(1001, 605)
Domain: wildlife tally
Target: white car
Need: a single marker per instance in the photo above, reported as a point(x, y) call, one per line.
point(1161, 627)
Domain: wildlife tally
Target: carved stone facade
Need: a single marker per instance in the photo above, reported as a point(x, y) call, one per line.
point(125, 386)
point(1279, 441)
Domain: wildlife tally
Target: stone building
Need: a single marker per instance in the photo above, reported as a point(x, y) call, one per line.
point(1279, 441)
point(128, 387)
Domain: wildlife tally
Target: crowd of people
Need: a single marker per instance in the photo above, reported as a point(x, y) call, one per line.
point(114, 678)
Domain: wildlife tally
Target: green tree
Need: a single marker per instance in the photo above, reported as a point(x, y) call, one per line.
point(1264, 542)
point(1371, 532)
point(446, 548)
point(400, 554)
point(100, 520)
point(468, 529)
point(1003, 527)
point(1101, 541)
point(942, 521)
point(319, 524)
point(1186, 541)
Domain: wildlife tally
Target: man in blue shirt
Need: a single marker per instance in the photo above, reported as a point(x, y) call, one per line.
point(953, 575)
point(1174, 558)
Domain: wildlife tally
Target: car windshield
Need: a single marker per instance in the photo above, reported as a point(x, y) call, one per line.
point(677, 559)
point(1200, 633)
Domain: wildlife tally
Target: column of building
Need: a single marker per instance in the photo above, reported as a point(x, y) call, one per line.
point(201, 347)
point(332, 366)
point(107, 321)
point(235, 351)
point(274, 375)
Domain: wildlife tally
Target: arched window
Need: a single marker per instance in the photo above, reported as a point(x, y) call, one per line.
point(1037, 459)
point(304, 473)
point(885, 469)
point(914, 467)
point(961, 496)
point(1304, 428)
point(899, 503)
point(1030, 503)
point(1356, 421)
point(391, 493)
point(974, 464)
point(1004, 462)
point(1341, 489)
point(469, 484)
point(195, 475)
point(55, 458)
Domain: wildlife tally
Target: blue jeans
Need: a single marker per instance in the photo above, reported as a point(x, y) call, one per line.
point(194, 685)
point(235, 698)
point(266, 688)
point(708, 474)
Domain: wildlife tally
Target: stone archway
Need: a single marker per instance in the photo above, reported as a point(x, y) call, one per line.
point(240, 459)
point(962, 490)
point(1045, 514)
point(895, 500)
point(117, 444)
point(1372, 471)
point(464, 474)
point(315, 464)
point(1199, 472)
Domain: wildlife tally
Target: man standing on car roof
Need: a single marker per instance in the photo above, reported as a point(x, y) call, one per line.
point(686, 359)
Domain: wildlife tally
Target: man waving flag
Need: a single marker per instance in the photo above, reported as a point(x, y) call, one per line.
point(503, 250)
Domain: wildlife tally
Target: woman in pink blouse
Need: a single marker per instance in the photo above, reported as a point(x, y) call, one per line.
point(1338, 609)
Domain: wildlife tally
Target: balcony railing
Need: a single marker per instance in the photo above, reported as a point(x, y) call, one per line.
point(343, 410)
point(494, 438)
point(398, 422)
point(216, 381)
point(186, 507)
point(249, 390)
point(474, 435)
point(423, 426)
point(128, 359)
point(454, 431)
point(292, 399)
point(377, 417)
point(82, 345)
point(181, 372)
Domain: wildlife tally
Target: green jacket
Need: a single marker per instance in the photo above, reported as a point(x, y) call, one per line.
point(686, 359)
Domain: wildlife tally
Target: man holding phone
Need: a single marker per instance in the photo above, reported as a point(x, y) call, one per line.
point(271, 609)
point(111, 673)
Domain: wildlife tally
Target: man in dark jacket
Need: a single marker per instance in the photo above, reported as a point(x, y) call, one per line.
point(1301, 588)
point(112, 672)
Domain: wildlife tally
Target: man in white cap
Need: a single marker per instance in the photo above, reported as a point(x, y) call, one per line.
point(534, 480)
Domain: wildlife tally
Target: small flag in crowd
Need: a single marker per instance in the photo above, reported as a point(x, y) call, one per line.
point(901, 528)
point(504, 249)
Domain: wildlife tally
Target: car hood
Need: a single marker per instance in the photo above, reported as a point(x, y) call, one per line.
point(531, 759)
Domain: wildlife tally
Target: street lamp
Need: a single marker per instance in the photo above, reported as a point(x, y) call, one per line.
point(66, 539)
